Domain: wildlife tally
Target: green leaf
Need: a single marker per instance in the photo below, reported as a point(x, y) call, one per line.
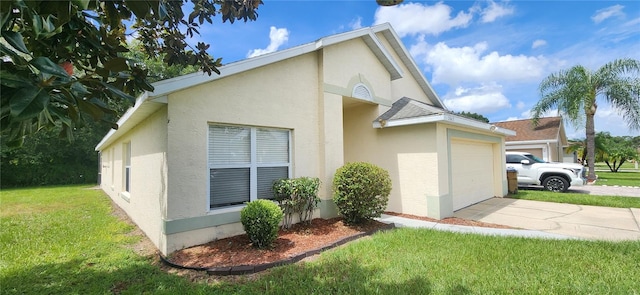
point(80, 89)
point(28, 102)
point(36, 23)
point(12, 80)
point(45, 65)
point(15, 39)
point(116, 64)
point(139, 8)
point(91, 109)
point(118, 92)
point(81, 4)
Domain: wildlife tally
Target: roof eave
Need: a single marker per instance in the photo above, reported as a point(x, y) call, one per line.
point(445, 118)
point(537, 141)
point(130, 118)
point(393, 38)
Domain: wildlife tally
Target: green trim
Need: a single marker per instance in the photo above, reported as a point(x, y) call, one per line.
point(346, 91)
point(193, 223)
point(439, 207)
point(335, 89)
point(328, 209)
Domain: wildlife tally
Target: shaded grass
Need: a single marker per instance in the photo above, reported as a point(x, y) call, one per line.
point(70, 243)
point(576, 198)
point(64, 240)
point(622, 178)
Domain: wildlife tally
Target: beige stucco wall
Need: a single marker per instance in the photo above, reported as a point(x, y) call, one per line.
point(348, 63)
point(408, 153)
point(417, 158)
point(280, 95)
point(406, 86)
point(145, 203)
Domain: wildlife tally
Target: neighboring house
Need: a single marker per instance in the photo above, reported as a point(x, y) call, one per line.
point(187, 156)
point(548, 140)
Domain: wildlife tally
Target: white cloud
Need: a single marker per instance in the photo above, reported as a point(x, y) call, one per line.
point(520, 105)
point(453, 65)
point(356, 23)
point(633, 22)
point(611, 120)
point(494, 11)
point(416, 18)
point(485, 99)
point(605, 13)
point(538, 43)
point(277, 37)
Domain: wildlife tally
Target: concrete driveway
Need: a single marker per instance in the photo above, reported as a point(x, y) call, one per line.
point(588, 222)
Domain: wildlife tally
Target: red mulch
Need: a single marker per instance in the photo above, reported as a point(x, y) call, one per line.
point(301, 238)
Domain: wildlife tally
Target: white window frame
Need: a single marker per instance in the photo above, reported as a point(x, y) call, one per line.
point(126, 171)
point(253, 165)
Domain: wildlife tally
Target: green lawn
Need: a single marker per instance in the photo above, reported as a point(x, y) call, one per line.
point(622, 178)
point(65, 241)
point(576, 198)
point(626, 165)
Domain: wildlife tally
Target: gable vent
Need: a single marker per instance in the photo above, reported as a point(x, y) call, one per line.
point(361, 91)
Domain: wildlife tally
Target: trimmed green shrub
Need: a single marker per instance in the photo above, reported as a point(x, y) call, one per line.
point(260, 219)
point(297, 195)
point(361, 191)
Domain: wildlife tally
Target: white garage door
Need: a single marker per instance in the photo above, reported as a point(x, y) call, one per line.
point(472, 172)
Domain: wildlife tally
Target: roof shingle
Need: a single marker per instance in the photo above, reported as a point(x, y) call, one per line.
point(548, 128)
point(405, 108)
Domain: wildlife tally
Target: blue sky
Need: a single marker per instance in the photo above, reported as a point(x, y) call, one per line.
point(486, 57)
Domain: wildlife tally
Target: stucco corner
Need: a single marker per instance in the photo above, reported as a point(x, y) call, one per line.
point(328, 209)
point(439, 207)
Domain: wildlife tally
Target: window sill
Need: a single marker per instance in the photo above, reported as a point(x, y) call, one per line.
point(221, 210)
point(126, 196)
point(236, 208)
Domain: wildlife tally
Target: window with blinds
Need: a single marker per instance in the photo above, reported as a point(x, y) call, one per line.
point(244, 162)
point(127, 166)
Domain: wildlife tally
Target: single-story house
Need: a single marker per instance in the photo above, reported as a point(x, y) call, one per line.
point(547, 140)
point(188, 155)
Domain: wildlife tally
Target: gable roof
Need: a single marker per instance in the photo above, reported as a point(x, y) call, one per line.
point(406, 111)
point(149, 101)
point(406, 108)
point(548, 129)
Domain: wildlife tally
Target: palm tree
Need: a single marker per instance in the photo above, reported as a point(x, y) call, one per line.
point(580, 147)
point(575, 93)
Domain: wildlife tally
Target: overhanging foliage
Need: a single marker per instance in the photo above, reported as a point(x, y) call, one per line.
point(63, 62)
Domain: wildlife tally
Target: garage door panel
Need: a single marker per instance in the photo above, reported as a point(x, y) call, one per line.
point(472, 172)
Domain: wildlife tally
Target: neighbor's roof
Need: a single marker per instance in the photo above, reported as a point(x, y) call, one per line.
point(548, 128)
point(407, 111)
point(149, 102)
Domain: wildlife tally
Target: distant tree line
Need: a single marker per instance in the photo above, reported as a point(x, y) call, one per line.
point(612, 150)
point(49, 157)
point(474, 116)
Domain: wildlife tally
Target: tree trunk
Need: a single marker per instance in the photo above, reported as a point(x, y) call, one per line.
point(591, 145)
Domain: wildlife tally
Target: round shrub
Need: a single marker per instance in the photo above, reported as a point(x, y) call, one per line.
point(260, 219)
point(361, 191)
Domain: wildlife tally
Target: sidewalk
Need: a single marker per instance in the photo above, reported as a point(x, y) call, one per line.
point(414, 223)
point(541, 220)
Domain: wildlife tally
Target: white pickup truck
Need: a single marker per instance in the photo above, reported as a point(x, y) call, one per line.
point(557, 177)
